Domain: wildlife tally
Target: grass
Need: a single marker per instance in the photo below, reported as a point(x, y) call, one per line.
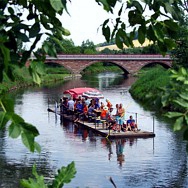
point(22, 78)
point(149, 82)
point(102, 67)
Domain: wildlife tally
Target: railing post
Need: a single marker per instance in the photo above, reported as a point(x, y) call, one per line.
point(153, 123)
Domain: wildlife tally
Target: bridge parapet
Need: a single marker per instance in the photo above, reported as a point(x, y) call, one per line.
point(110, 57)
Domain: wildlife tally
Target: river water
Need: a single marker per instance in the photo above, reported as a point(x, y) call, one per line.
point(152, 162)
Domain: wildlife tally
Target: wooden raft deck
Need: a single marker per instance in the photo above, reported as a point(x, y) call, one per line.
point(101, 129)
point(111, 134)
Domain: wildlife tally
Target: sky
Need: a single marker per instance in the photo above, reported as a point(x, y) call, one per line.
point(85, 18)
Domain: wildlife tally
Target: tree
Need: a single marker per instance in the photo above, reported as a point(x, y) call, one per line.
point(24, 22)
point(66, 47)
point(88, 47)
point(180, 54)
point(161, 31)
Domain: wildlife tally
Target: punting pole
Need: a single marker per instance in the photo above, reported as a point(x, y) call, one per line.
point(56, 111)
point(55, 107)
point(136, 117)
point(153, 123)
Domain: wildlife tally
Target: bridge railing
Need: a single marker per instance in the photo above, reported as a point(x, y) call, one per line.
point(110, 57)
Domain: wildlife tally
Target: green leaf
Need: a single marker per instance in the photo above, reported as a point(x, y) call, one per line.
point(184, 96)
point(118, 41)
point(183, 71)
point(36, 78)
point(178, 124)
point(170, 43)
point(22, 36)
point(65, 174)
point(20, 26)
point(135, 4)
point(49, 49)
point(135, 18)
point(57, 5)
point(3, 120)
point(141, 35)
point(16, 118)
point(185, 134)
point(158, 31)
point(37, 66)
point(120, 10)
point(38, 182)
point(28, 140)
point(164, 100)
point(45, 22)
point(14, 130)
point(162, 47)
point(59, 43)
point(106, 5)
point(106, 33)
point(186, 119)
point(171, 25)
point(174, 114)
point(7, 104)
point(6, 56)
point(35, 29)
point(150, 34)
point(26, 127)
point(37, 147)
point(10, 10)
point(181, 103)
point(65, 32)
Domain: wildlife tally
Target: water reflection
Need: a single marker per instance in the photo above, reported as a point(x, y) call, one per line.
point(130, 162)
point(120, 143)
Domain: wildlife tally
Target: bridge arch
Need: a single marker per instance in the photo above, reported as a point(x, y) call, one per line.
point(166, 65)
point(111, 62)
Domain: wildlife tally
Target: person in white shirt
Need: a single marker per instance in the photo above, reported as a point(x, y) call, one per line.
point(70, 106)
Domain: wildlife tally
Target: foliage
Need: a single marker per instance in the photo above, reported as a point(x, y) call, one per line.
point(15, 30)
point(165, 91)
point(64, 46)
point(148, 84)
point(17, 125)
point(161, 31)
point(88, 47)
point(26, 22)
point(179, 99)
point(64, 175)
point(180, 54)
point(102, 67)
point(56, 70)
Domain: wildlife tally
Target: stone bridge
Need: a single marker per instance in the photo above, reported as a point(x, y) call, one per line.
point(130, 64)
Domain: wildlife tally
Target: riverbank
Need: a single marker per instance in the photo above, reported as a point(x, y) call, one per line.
point(22, 77)
point(147, 87)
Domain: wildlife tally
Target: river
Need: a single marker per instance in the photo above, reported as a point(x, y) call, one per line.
point(152, 162)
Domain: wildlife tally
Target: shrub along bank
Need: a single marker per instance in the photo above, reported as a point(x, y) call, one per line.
point(22, 77)
point(148, 85)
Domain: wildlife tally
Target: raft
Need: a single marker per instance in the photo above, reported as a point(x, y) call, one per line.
point(102, 130)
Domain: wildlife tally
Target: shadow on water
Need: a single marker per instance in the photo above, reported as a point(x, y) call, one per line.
point(12, 170)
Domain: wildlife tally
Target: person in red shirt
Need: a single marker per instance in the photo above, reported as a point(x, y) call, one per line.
point(109, 104)
point(104, 113)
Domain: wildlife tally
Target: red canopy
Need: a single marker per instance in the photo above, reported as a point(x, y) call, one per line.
point(76, 92)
